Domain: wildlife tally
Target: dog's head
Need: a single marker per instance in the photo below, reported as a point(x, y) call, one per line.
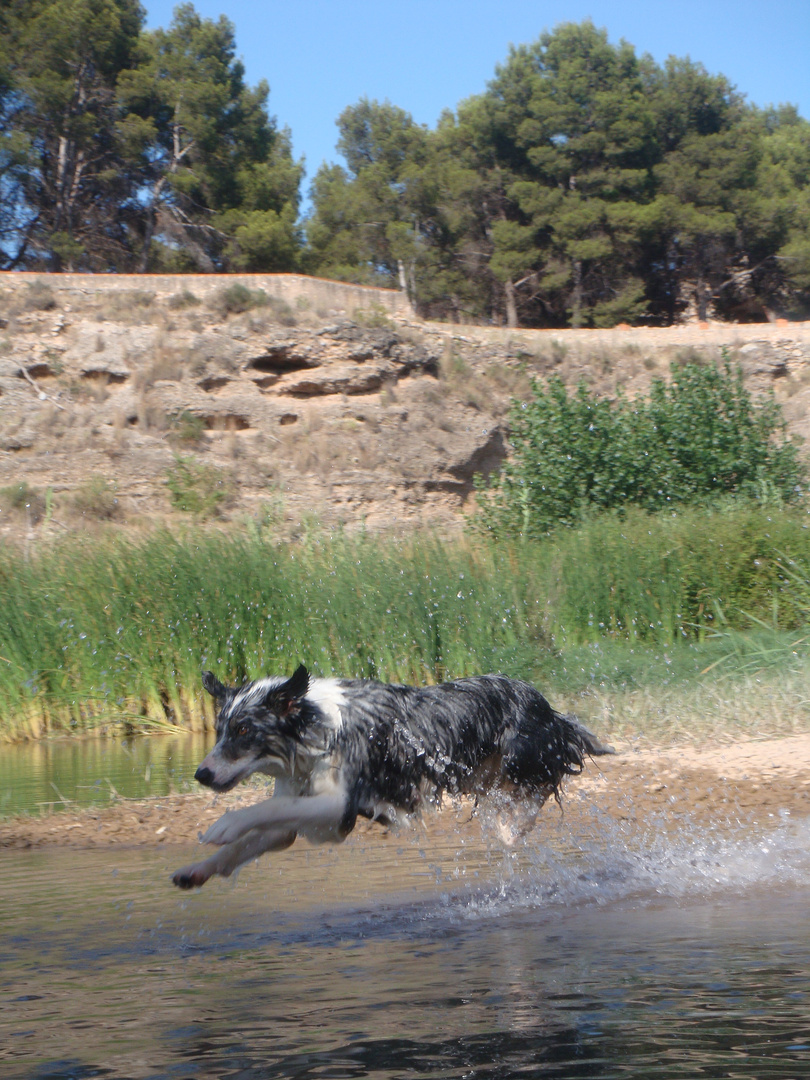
point(259, 728)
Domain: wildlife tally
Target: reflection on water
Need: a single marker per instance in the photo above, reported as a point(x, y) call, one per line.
point(566, 960)
point(52, 773)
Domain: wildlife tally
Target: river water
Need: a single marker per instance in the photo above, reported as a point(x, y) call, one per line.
point(50, 774)
point(608, 954)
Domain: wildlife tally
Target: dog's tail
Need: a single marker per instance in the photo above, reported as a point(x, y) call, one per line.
point(540, 755)
point(585, 741)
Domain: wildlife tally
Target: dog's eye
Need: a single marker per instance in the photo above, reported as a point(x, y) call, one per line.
point(243, 730)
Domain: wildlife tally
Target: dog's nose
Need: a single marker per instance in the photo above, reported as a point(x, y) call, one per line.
point(204, 776)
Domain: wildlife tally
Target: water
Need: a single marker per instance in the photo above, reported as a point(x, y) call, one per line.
point(600, 954)
point(51, 774)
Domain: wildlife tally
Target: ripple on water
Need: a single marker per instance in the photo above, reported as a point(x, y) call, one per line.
point(603, 952)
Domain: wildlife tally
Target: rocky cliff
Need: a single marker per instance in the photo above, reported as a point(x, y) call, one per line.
point(184, 397)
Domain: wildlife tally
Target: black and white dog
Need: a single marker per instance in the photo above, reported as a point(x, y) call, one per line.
point(343, 748)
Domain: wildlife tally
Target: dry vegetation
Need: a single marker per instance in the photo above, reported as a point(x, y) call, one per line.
point(354, 415)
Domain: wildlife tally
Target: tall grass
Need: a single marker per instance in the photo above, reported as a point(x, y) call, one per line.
point(662, 577)
point(116, 631)
point(121, 629)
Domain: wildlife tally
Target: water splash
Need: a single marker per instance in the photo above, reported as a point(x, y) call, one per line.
point(616, 864)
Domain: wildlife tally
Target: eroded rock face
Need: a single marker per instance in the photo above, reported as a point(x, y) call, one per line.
point(348, 423)
point(375, 426)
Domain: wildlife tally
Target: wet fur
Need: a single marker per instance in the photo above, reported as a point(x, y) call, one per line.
point(347, 748)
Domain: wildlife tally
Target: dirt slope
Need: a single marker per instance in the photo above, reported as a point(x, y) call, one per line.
point(293, 411)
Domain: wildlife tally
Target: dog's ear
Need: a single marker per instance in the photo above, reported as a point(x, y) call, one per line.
point(287, 697)
point(298, 683)
point(214, 687)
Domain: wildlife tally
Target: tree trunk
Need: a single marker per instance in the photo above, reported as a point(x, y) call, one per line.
point(147, 240)
point(576, 295)
point(511, 305)
point(412, 281)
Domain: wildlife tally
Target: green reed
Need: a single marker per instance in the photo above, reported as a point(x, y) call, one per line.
point(115, 632)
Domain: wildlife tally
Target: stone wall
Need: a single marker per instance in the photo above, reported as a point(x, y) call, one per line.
point(327, 298)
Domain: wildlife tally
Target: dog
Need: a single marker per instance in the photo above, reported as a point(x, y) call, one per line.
point(340, 749)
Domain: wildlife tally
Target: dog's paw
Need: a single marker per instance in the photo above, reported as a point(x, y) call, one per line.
point(190, 877)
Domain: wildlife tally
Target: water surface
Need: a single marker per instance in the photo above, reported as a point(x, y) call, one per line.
point(52, 774)
point(605, 954)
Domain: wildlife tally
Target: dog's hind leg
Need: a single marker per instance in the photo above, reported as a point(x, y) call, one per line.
point(231, 856)
point(518, 818)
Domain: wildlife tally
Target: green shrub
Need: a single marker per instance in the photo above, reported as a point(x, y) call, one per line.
point(281, 311)
point(197, 488)
point(698, 440)
point(374, 317)
point(96, 498)
point(183, 299)
point(186, 428)
point(236, 298)
point(39, 296)
point(25, 500)
point(138, 298)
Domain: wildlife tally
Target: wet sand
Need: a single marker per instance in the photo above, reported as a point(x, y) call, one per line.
point(756, 782)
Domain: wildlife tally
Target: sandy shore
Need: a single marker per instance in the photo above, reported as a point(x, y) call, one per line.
point(755, 781)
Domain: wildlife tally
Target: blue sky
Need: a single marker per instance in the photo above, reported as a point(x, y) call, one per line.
point(427, 55)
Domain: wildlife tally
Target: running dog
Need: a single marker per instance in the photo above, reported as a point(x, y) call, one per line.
point(340, 749)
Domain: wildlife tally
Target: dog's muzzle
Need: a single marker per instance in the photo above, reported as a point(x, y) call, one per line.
point(204, 775)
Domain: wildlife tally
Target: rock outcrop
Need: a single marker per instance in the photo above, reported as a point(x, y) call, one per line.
point(356, 418)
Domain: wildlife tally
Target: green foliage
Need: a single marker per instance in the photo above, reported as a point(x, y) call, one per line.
point(184, 299)
point(110, 630)
point(96, 498)
point(364, 225)
point(375, 317)
point(196, 488)
point(65, 178)
point(219, 174)
point(698, 439)
point(24, 499)
point(186, 428)
point(237, 298)
point(586, 186)
point(39, 296)
point(261, 239)
point(281, 311)
point(677, 575)
point(128, 149)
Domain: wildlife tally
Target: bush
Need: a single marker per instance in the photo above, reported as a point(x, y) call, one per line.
point(697, 440)
point(236, 298)
point(374, 317)
point(183, 299)
point(195, 488)
point(186, 428)
point(25, 500)
point(281, 311)
point(39, 296)
point(96, 498)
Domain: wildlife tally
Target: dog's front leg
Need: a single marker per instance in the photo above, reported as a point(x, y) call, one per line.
point(235, 823)
point(314, 815)
point(249, 846)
